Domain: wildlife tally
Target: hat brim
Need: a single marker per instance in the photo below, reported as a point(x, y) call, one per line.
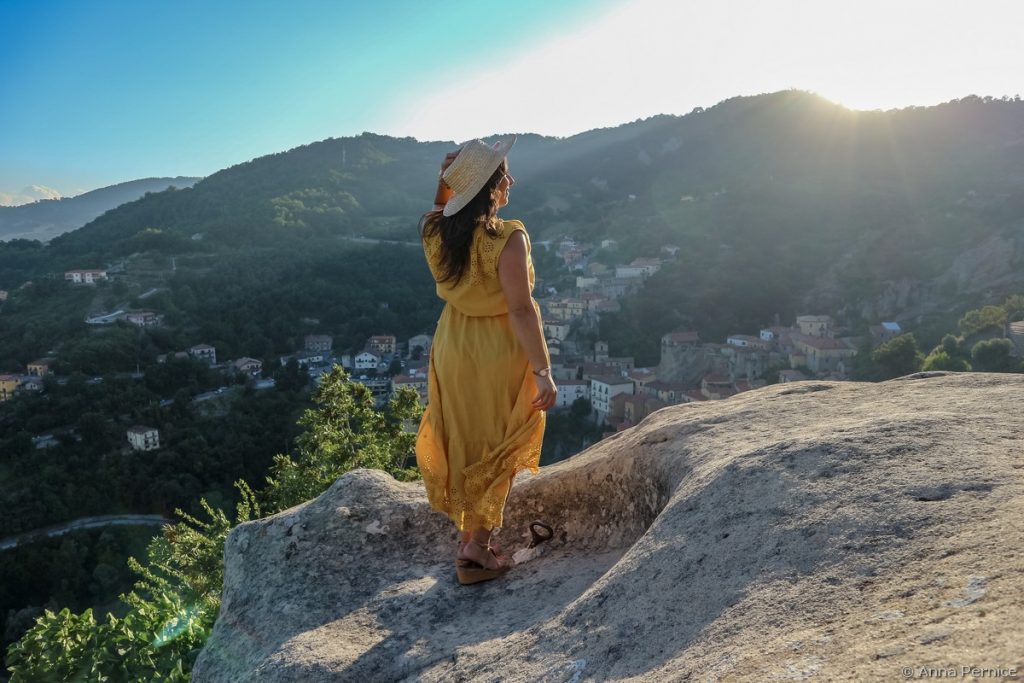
point(500, 151)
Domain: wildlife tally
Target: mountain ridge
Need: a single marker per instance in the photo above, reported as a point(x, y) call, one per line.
point(45, 219)
point(786, 192)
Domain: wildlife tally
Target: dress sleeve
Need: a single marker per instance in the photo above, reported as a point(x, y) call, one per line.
point(492, 247)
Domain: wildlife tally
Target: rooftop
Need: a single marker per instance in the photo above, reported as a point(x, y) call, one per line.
point(611, 379)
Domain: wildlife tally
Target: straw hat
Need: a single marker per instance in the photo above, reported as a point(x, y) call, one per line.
point(470, 170)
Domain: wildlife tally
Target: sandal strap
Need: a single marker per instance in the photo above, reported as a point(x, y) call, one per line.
point(486, 547)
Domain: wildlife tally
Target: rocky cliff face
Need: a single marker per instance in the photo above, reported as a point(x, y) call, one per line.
point(821, 530)
point(989, 271)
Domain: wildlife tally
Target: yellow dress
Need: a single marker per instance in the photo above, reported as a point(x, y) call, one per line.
point(478, 428)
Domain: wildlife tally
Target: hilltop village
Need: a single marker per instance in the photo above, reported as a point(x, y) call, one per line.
point(619, 394)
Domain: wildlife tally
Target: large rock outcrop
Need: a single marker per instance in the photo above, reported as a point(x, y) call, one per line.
point(815, 530)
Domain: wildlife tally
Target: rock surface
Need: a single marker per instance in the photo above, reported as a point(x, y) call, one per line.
point(814, 530)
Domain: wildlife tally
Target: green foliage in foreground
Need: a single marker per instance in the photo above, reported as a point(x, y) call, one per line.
point(343, 433)
point(175, 602)
point(171, 613)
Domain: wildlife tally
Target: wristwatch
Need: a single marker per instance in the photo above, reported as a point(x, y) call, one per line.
point(543, 372)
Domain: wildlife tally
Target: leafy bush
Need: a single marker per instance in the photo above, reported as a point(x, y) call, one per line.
point(899, 356)
point(993, 355)
point(987, 318)
point(175, 603)
point(940, 360)
point(171, 613)
point(343, 433)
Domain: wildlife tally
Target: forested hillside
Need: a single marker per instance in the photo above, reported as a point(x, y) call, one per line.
point(764, 195)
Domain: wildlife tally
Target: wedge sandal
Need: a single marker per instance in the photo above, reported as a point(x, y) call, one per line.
point(470, 572)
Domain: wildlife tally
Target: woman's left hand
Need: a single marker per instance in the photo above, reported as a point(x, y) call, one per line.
point(547, 393)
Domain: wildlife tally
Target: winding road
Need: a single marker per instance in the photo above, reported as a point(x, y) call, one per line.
point(82, 523)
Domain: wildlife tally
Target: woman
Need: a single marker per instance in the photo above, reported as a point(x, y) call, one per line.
point(489, 377)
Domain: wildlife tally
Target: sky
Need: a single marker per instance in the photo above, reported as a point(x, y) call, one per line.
point(100, 92)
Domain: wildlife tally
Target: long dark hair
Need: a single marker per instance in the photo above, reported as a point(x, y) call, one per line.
point(457, 231)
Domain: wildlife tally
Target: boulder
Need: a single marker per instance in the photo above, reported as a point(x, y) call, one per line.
point(825, 530)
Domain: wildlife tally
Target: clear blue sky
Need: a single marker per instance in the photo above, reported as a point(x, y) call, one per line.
point(95, 92)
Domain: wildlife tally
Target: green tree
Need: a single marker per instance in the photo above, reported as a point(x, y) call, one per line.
point(985, 319)
point(940, 360)
point(290, 377)
point(993, 355)
point(951, 345)
point(948, 355)
point(899, 356)
point(1014, 307)
point(863, 367)
point(344, 432)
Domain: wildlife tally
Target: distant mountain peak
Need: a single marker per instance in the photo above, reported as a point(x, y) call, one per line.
point(45, 214)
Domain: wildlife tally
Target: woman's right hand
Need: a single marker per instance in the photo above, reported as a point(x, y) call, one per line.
point(547, 393)
point(448, 159)
point(444, 193)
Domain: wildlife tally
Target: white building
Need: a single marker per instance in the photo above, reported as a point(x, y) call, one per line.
point(307, 358)
point(570, 390)
point(381, 343)
point(602, 389)
point(671, 340)
point(649, 266)
point(629, 271)
point(556, 329)
point(88, 277)
point(641, 377)
point(142, 318)
point(318, 342)
point(815, 325)
point(747, 341)
point(367, 360)
point(566, 309)
point(42, 366)
point(248, 366)
point(204, 352)
point(144, 438)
